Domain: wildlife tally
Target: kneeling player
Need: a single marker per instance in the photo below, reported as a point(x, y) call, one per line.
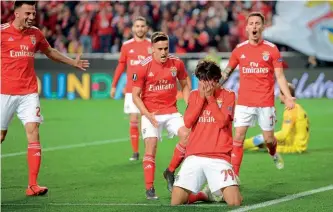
point(294, 135)
point(208, 152)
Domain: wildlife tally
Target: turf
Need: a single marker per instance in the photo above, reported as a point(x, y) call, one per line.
point(99, 176)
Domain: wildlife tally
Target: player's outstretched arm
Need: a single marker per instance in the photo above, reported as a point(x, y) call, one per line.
point(185, 89)
point(283, 84)
point(194, 108)
point(55, 55)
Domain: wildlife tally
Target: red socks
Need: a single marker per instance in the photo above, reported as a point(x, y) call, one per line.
point(201, 196)
point(134, 132)
point(271, 147)
point(149, 170)
point(237, 156)
point(34, 159)
point(177, 158)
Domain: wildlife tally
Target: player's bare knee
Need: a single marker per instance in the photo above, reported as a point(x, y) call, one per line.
point(269, 138)
point(183, 134)
point(32, 131)
point(151, 145)
point(239, 136)
point(235, 201)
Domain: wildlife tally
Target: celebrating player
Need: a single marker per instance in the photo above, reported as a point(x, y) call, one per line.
point(154, 93)
point(132, 53)
point(208, 152)
point(19, 93)
point(258, 60)
point(294, 135)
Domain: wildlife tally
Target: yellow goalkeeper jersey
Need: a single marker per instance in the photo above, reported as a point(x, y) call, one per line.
point(295, 132)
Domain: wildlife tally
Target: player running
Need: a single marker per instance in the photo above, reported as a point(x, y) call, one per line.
point(258, 60)
point(19, 91)
point(294, 135)
point(154, 93)
point(208, 152)
point(132, 53)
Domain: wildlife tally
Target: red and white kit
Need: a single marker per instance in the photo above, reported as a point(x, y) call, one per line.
point(19, 89)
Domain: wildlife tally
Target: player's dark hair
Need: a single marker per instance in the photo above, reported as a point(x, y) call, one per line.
point(159, 36)
point(140, 18)
point(208, 70)
point(291, 89)
point(19, 4)
point(257, 14)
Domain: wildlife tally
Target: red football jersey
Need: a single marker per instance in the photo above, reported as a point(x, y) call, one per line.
point(159, 83)
point(211, 124)
point(256, 72)
point(18, 49)
point(131, 54)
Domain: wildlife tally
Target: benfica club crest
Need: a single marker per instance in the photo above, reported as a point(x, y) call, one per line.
point(173, 70)
point(219, 102)
point(33, 39)
point(265, 56)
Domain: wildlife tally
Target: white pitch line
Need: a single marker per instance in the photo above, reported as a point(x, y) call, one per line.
point(283, 199)
point(95, 143)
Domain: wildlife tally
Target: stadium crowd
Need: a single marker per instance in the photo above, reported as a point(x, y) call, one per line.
point(73, 26)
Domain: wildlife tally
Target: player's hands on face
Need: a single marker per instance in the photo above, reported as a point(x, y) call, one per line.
point(201, 88)
point(290, 103)
point(113, 92)
point(81, 64)
point(209, 88)
point(152, 119)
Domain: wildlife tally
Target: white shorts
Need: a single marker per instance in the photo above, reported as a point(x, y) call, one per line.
point(247, 116)
point(171, 122)
point(196, 170)
point(129, 106)
point(27, 108)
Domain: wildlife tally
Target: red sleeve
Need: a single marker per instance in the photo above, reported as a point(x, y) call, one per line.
point(120, 67)
point(194, 108)
point(220, 118)
point(181, 74)
point(277, 59)
point(139, 76)
point(42, 44)
point(233, 60)
point(231, 106)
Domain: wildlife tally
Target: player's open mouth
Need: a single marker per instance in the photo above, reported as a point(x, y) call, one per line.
point(254, 32)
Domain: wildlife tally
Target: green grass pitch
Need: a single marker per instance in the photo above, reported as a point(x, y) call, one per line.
point(97, 177)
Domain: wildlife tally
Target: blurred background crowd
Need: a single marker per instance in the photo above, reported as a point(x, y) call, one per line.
point(74, 26)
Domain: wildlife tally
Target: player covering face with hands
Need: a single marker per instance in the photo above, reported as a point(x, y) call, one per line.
point(209, 115)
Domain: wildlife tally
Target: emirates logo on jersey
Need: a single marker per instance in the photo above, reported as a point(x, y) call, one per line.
point(265, 56)
point(173, 70)
point(33, 39)
point(206, 117)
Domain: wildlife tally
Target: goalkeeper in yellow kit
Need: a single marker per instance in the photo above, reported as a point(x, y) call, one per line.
point(294, 135)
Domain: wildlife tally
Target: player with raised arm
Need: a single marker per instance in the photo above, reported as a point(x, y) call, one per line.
point(258, 60)
point(132, 53)
point(209, 115)
point(154, 93)
point(294, 134)
point(19, 91)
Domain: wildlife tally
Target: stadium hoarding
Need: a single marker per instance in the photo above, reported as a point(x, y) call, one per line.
point(57, 81)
